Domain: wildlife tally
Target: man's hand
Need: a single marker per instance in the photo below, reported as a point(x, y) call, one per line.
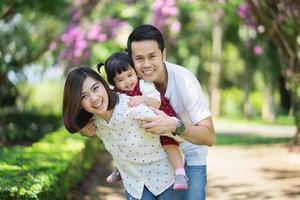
point(136, 100)
point(160, 124)
point(89, 130)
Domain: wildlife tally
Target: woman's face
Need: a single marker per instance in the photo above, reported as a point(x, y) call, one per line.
point(94, 98)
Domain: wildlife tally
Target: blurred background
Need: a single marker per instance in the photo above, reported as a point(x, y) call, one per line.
point(245, 53)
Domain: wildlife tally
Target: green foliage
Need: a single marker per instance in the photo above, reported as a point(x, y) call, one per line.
point(48, 168)
point(256, 101)
point(232, 100)
point(27, 126)
point(26, 30)
point(233, 66)
point(46, 97)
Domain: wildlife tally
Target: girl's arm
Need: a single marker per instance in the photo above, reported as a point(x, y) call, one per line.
point(150, 96)
point(149, 101)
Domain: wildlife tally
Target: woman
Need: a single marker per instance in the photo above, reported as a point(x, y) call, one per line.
point(143, 164)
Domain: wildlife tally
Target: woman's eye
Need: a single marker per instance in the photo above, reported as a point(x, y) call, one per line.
point(95, 88)
point(129, 75)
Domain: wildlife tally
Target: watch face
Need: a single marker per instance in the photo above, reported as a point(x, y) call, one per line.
point(180, 128)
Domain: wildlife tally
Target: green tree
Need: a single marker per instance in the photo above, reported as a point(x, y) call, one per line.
point(281, 21)
point(26, 29)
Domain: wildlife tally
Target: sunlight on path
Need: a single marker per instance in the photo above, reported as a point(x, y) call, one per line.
point(234, 173)
point(265, 172)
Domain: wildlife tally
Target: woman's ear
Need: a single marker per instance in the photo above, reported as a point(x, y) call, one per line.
point(164, 54)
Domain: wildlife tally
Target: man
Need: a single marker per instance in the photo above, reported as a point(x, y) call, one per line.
point(194, 124)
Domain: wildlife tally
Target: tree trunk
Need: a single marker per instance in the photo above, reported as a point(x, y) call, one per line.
point(268, 108)
point(217, 33)
point(285, 97)
point(296, 106)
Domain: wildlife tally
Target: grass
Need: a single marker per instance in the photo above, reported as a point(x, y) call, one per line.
point(280, 120)
point(246, 140)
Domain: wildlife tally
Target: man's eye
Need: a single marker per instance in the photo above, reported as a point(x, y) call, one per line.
point(83, 96)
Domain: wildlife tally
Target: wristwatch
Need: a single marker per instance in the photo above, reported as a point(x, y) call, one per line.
point(180, 128)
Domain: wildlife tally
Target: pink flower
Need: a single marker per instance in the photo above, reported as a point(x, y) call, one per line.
point(176, 26)
point(52, 46)
point(243, 11)
point(102, 38)
point(94, 32)
point(81, 44)
point(171, 11)
point(257, 50)
point(77, 53)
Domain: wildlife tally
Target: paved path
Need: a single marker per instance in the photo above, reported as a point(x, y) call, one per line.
point(259, 172)
point(234, 173)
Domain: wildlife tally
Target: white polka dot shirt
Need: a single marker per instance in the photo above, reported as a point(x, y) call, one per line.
point(138, 154)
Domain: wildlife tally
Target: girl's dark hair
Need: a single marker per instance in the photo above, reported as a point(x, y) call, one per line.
point(74, 116)
point(143, 33)
point(115, 64)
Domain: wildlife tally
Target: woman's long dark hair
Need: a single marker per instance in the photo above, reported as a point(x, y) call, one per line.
point(74, 116)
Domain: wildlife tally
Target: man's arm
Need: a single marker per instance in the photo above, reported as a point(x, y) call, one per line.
point(202, 133)
point(89, 130)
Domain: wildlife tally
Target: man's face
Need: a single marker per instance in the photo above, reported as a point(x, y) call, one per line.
point(148, 60)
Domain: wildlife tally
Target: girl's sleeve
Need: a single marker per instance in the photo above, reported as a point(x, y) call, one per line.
point(142, 110)
point(148, 89)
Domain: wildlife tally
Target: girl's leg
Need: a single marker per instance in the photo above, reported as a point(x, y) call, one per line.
point(114, 177)
point(174, 155)
point(176, 159)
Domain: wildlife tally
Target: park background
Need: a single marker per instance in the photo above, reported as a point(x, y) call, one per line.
point(244, 53)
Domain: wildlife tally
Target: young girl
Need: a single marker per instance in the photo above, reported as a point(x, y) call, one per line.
point(122, 75)
point(146, 171)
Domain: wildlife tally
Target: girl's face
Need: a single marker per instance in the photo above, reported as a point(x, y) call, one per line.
point(94, 98)
point(127, 80)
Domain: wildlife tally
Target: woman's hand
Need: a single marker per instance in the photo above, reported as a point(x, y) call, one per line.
point(89, 130)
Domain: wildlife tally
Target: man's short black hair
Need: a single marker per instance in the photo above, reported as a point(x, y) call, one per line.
point(143, 33)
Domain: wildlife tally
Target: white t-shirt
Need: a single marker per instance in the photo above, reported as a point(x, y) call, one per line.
point(138, 154)
point(185, 95)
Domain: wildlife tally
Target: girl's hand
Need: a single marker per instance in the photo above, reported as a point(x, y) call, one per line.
point(136, 100)
point(89, 130)
point(161, 124)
